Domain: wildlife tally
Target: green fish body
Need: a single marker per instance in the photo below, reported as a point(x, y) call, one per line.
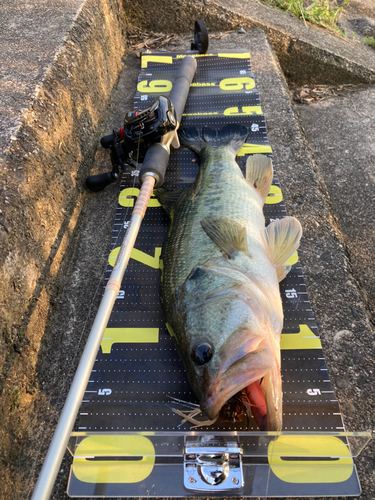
point(221, 272)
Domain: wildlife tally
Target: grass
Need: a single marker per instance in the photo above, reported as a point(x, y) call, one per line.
point(370, 41)
point(14, 394)
point(319, 12)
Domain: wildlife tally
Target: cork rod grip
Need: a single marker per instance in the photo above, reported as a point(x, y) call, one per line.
point(144, 196)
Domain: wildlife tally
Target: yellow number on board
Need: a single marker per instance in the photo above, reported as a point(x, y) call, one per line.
point(125, 199)
point(158, 59)
point(144, 258)
point(245, 110)
point(154, 86)
point(274, 196)
point(230, 84)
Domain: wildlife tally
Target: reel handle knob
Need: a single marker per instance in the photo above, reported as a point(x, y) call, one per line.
point(107, 141)
point(99, 182)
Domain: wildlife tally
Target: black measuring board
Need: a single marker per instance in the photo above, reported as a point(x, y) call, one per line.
point(137, 366)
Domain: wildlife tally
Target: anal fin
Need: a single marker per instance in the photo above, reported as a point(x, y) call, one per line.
point(283, 237)
point(259, 173)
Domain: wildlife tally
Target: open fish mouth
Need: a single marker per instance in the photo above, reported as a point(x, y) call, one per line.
point(243, 372)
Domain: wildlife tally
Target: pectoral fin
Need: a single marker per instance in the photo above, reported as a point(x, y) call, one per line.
point(227, 234)
point(283, 237)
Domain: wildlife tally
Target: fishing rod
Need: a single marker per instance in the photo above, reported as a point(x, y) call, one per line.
point(150, 132)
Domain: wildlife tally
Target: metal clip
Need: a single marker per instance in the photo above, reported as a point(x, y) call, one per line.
point(213, 468)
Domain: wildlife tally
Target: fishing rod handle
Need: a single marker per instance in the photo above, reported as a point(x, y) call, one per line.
point(181, 85)
point(97, 183)
point(157, 156)
point(144, 196)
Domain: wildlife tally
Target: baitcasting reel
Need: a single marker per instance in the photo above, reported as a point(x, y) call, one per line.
point(128, 145)
point(154, 126)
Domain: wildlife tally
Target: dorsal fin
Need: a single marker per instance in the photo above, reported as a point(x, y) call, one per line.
point(232, 135)
point(259, 173)
point(283, 237)
point(227, 234)
point(168, 198)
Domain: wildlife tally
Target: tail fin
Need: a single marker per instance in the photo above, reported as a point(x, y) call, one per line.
point(231, 135)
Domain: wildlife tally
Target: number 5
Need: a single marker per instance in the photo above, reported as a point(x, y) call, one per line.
point(104, 392)
point(313, 392)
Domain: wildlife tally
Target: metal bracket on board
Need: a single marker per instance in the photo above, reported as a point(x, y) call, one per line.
point(213, 468)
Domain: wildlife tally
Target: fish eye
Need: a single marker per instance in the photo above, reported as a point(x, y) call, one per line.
point(199, 272)
point(202, 353)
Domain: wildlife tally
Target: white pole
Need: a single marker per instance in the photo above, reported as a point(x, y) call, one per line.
point(61, 436)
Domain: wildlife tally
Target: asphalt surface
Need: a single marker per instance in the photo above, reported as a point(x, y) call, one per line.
point(324, 156)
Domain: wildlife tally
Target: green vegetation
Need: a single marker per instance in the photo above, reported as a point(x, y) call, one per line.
point(14, 394)
point(370, 41)
point(319, 12)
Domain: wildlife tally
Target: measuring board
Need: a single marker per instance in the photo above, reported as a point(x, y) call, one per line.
point(125, 414)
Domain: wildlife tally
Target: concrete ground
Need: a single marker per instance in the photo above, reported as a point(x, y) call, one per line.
point(31, 33)
point(324, 156)
point(341, 132)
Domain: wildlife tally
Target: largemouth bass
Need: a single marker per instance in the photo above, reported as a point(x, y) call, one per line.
point(221, 272)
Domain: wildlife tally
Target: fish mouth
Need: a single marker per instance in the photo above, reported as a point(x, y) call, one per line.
point(243, 372)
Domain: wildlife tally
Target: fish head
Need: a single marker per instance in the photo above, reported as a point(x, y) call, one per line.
point(230, 333)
